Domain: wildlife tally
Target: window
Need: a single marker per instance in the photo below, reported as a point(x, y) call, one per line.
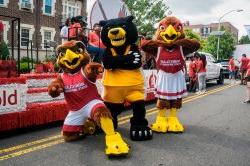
point(47, 38)
point(25, 1)
point(196, 30)
point(25, 34)
point(71, 9)
point(4, 3)
point(48, 35)
point(48, 7)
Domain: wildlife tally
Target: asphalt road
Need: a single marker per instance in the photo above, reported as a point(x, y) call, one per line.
point(217, 132)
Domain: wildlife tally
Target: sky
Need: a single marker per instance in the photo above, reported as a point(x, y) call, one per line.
point(208, 11)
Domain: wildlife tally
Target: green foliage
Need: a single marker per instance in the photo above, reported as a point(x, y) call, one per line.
point(147, 13)
point(244, 40)
point(227, 45)
point(24, 67)
point(51, 58)
point(192, 35)
point(25, 59)
point(4, 51)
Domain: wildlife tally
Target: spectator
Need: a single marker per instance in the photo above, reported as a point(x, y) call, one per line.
point(247, 78)
point(94, 36)
point(201, 72)
point(232, 70)
point(95, 46)
point(192, 74)
point(243, 68)
point(64, 31)
point(75, 30)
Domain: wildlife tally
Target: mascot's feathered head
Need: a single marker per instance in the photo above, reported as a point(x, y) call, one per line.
point(72, 56)
point(169, 30)
point(118, 32)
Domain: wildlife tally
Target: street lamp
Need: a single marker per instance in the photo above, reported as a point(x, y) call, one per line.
point(218, 43)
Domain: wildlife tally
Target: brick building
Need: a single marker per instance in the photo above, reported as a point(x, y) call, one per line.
point(205, 30)
point(40, 20)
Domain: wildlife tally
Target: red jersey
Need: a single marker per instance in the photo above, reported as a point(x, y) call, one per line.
point(231, 65)
point(201, 67)
point(78, 90)
point(95, 40)
point(248, 69)
point(244, 63)
point(75, 30)
point(191, 69)
point(170, 61)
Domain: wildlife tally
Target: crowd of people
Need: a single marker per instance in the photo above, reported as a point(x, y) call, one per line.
point(197, 73)
point(75, 28)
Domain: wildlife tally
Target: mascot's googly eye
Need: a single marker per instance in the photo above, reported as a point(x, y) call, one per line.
point(79, 50)
point(61, 54)
point(179, 27)
point(161, 27)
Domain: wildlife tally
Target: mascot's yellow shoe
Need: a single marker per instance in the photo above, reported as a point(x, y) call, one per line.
point(160, 125)
point(174, 125)
point(115, 146)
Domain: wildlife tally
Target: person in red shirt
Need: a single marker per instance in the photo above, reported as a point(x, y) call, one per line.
point(192, 74)
point(247, 78)
point(232, 69)
point(75, 30)
point(201, 72)
point(243, 68)
point(95, 46)
point(94, 37)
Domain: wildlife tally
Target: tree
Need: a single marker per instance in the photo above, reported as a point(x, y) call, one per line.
point(227, 45)
point(4, 51)
point(147, 13)
point(192, 35)
point(244, 40)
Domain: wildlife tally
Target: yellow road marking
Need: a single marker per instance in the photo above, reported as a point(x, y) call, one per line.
point(122, 120)
point(19, 153)
point(29, 144)
point(154, 110)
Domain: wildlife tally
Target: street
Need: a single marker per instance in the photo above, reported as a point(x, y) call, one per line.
point(217, 132)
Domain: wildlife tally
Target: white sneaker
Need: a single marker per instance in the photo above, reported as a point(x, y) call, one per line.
point(204, 91)
point(198, 93)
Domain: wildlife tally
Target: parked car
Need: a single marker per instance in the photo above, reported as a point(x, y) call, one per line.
point(214, 70)
point(225, 66)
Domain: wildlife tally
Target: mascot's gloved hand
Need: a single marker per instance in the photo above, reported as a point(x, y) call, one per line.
point(189, 45)
point(134, 57)
point(55, 88)
point(92, 70)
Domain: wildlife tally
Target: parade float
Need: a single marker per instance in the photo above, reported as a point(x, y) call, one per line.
point(24, 99)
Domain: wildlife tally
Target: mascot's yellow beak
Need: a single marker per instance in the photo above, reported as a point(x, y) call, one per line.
point(117, 36)
point(71, 60)
point(170, 34)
